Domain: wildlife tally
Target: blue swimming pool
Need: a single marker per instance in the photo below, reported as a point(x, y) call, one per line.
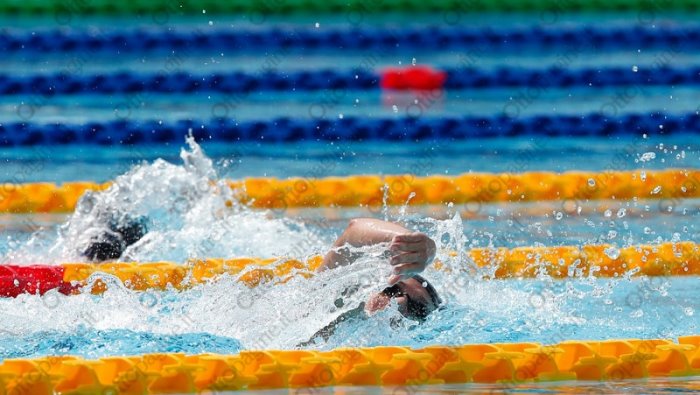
point(222, 317)
point(173, 185)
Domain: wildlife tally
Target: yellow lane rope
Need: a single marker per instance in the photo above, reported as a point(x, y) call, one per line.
point(506, 363)
point(667, 259)
point(370, 190)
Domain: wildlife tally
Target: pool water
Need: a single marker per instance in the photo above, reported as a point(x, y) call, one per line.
point(180, 189)
point(226, 316)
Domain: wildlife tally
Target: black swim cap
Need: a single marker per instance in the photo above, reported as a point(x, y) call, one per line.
point(434, 297)
point(131, 229)
point(414, 309)
point(111, 243)
point(104, 245)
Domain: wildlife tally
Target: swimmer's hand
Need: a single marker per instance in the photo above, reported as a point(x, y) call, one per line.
point(410, 253)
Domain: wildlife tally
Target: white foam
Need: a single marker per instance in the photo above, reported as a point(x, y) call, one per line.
point(188, 217)
point(185, 206)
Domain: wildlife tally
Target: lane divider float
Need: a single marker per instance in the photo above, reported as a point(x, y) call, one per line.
point(121, 41)
point(505, 363)
point(670, 186)
point(404, 78)
point(667, 259)
point(349, 128)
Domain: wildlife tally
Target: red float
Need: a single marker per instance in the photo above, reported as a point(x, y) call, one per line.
point(32, 279)
point(413, 77)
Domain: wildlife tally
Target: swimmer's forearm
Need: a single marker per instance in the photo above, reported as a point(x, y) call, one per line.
point(360, 232)
point(327, 331)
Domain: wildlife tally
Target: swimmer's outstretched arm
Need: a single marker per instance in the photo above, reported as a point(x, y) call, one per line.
point(411, 252)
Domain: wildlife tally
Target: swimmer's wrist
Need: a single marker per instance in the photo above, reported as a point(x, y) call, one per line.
point(432, 251)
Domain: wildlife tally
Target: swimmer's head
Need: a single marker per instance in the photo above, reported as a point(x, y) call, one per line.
point(131, 229)
point(416, 298)
point(104, 245)
point(109, 243)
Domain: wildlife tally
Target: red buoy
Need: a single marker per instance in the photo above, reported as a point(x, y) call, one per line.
point(413, 77)
point(16, 280)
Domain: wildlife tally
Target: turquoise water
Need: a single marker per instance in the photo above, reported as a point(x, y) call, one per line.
point(321, 159)
point(330, 105)
point(188, 220)
point(644, 221)
point(226, 317)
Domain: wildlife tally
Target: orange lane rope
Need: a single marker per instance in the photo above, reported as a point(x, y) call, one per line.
point(371, 190)
point(667, 259)
point(506, 363)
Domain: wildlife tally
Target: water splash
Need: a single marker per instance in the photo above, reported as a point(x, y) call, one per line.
point(188, 213)
point(188, 216)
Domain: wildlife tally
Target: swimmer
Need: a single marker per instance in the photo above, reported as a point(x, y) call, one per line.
point(410, 253)
point(111, 235)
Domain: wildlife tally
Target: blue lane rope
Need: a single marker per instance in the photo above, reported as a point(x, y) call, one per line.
point(356, 79)
point(431, 37)
point(348, 129)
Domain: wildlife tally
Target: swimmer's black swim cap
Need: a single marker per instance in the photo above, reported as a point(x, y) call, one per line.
point(110, 244)
point(131, 229)
point(104, 245)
